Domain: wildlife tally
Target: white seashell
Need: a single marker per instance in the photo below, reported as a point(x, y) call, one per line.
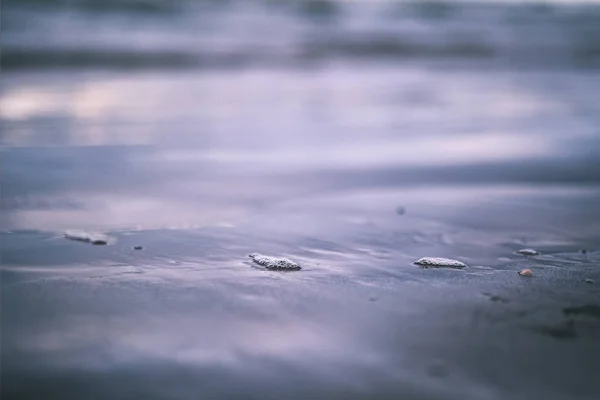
point(275, 263)
point(528, 252)
point(438, 262)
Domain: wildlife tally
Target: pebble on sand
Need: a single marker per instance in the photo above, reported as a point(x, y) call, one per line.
point(400, 210)
point(137, 247)
point(274, 263)
point(528, 252)
point(526, 272)
point(589, 281)
point(88, 237)
point(439, 262)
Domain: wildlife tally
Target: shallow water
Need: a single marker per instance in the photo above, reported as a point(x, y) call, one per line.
point(208, 143)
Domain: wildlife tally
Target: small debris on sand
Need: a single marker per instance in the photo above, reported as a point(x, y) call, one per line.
point(274, 263)
point(439, 262)
point(400, 210)
point(495, 299)
point(88, 237)
point(583, 251)
point(528, 252)
point(137, 247)
point(526, 272)
point(589, 281)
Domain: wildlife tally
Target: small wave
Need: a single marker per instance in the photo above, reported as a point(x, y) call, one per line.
point(34, 58)
point(24, 58)
point(27, 58)
point(16, 58)
point(391, 46)
point(139, 6)
point(435, 10)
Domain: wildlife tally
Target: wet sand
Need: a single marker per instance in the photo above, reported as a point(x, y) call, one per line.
point(190, 313)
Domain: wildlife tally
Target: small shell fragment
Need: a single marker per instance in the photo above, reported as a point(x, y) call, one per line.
point(439, 262)
point(526, 272)
point(528, 252)
point(589, 281)
point(274, 263)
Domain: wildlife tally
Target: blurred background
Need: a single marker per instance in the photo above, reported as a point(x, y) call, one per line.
point(353, 137)
point(240, 104)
